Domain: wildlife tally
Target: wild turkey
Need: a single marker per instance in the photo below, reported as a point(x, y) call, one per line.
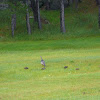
point(65, 67)
point(42, 62)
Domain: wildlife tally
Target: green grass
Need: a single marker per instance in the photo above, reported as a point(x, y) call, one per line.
point(79, 48)
point(54, 83)
point(75, 43)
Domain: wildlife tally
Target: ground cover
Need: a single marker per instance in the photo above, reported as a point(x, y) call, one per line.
point(54, 83)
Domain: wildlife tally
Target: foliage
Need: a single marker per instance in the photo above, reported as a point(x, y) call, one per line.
point(77, 25)
point(81, 23)
point(17, 6)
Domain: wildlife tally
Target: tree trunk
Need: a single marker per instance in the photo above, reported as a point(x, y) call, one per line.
point(15, 21)
point(13, 24)
point(34, 8)
point(38, 12)
point(48, 5)
point(97, 2)
point(71, 2)
point(79, 1)
point(76, 4)
point(27, 20)
point(99, 16)
point(68, 2)
point(99, 13)
point(62, 18)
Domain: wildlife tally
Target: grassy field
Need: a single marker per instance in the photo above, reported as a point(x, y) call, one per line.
point(54, 83)
point(78, 48)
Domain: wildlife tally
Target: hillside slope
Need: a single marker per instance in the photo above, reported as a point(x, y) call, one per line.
point(81, 23)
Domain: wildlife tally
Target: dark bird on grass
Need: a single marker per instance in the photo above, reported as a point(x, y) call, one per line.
point(42, 62)
point(77, 68)
point(84, 93)
point(65, 67)
point(25, 67)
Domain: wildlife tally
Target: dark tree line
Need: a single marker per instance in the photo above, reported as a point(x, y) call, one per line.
point(98, 3)
point(36, 4)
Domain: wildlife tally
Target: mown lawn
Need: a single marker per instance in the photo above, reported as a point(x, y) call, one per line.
point(54, 83)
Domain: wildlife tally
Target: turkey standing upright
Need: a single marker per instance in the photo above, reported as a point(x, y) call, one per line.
point(42, 62)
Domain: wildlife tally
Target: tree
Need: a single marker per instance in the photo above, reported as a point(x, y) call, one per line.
point(38, 14)
point(14, 6)
point(70, 2)
point(13, 23)
point(13, 18)
point(47, 4)
point(79, 0)
point(76, 4)
point(97, 2)
point(34, 9)
point(99, 13)
point(27, 19)
point(62, 18)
